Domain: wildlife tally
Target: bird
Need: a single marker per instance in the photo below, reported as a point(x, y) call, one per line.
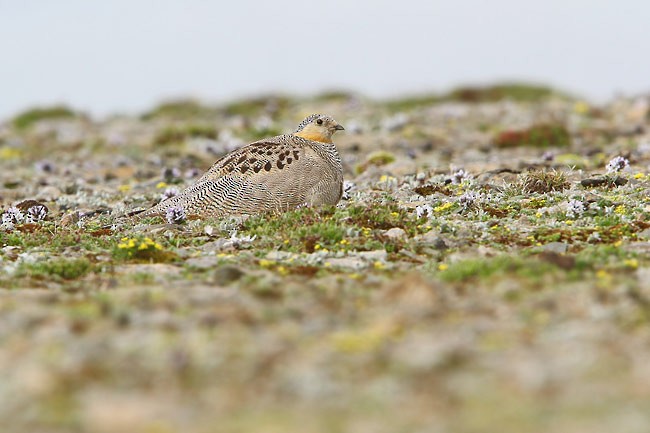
point(274, 174)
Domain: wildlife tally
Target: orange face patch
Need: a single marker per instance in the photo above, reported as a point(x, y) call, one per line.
point(310, 132)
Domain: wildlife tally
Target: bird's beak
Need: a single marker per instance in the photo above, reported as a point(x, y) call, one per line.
point(339, 128)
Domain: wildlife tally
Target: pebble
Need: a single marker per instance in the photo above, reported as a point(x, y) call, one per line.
point(556, 247)
point(396, 234)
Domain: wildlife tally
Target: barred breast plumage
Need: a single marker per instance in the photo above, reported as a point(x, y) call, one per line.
point(274, 174)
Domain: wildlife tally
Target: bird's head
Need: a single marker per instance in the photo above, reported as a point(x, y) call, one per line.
point(318, 127)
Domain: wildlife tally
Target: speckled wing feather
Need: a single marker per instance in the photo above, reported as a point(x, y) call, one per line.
point(274, 174)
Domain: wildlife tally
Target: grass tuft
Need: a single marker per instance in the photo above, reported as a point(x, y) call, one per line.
point(543, 181)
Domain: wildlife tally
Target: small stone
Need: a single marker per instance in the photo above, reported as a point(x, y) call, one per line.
point(644, 235)
point(352, 263)
point(227, 274)
point(642, 248)
point(373, 256)
point(69, 219)
point(214, 246)
point(161, 273)
point(556, 247)
point(433, 240)
point(601, 181)
point(278, 256)
point(203, 262)
point(560, 260)
point(395, 234)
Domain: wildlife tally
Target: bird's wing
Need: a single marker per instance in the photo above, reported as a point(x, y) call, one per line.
point(282, 153)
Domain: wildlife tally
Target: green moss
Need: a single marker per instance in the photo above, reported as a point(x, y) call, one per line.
point(54, 238)
point(378, 158)
point(609, 229)
point(571, 160)
point(483, 268)
point(27, 118)
point(68, 269)
point(594, 256)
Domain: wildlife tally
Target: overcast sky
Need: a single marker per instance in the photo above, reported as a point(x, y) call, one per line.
point(126, 55)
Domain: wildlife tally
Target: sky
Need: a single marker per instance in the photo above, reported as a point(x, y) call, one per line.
point(124, 56)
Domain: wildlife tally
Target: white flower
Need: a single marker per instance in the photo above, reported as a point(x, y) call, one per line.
point(617, 164)
point(6, 225)
point(170, 174)
point(237, 241)
point(469, 199)
point(12, 216)
point(575, 209)
point(548, 156)
point(594, 237)
point(44, 166)
point(191, 173)
point(36, 213)
point(348, 187)
point(169, 192)
point(420, 211)
point(459, 176)
point(175, 215)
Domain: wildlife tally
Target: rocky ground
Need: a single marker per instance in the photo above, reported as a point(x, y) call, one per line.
point(488, 270)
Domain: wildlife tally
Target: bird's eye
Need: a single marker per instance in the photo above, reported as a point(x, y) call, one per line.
point(319, 121)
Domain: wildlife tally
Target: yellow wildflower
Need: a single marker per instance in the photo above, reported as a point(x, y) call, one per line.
point(581, 107)
point(603, 274)
point(631, 263)
point(9, 153)
point(442, 207)
point(282, 270)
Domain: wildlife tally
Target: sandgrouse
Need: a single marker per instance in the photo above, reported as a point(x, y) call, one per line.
point(273, 174)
